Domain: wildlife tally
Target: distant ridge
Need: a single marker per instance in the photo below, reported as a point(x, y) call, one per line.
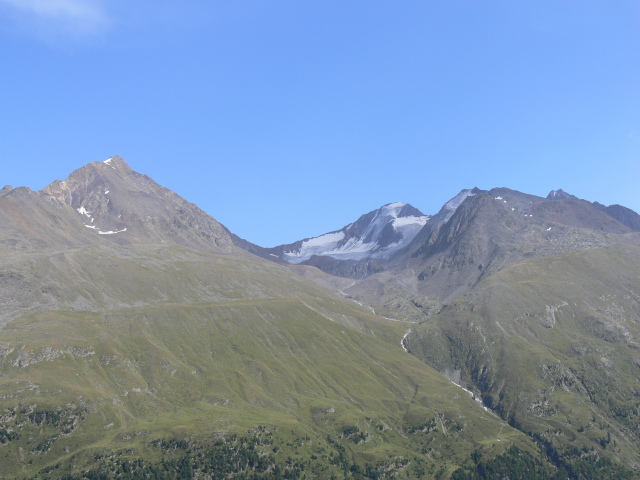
point(363, 248)
point(624, 215)
point(376, 236)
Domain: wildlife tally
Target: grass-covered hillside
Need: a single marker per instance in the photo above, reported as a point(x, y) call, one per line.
point(164, 359)
point(552, 346)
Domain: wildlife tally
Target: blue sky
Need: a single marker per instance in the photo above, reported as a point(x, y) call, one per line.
point(285, 119)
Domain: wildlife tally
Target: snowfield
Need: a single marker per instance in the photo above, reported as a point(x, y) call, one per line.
point(345, 244)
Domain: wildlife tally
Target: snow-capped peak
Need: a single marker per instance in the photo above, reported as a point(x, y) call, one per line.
point(392, 209)
point(109, 161)
point(452, 205)
point(375, 235)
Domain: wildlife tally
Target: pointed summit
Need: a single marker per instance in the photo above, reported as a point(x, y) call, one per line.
point(561, 195)
point(115, 201)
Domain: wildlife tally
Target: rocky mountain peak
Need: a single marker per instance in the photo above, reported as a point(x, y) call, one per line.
point(560, 195)
point(379, 234)
point(116, 202)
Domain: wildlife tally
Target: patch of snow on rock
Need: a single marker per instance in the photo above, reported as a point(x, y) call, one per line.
point(402, 222)
point(112, 232)
point(453, 204)
point(314, 246)
point(83, 211)
point(324, 240)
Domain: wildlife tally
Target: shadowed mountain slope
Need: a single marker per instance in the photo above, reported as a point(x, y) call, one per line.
point(551, 344)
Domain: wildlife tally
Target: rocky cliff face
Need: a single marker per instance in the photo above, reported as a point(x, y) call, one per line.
point(35, 221)
point(624, 215)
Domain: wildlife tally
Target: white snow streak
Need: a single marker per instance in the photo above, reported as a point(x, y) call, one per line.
point(401, 222)
point(393, 206)
point(324, 240)
point(314, 246)
point(403, 340)
point(112, 232)
point(472, 395)
point(453, 204)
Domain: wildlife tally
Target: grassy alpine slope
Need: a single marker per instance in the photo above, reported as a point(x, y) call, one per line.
point(126, 351)
point(551, 344)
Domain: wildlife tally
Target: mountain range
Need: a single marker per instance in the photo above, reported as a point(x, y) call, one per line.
point(139, 336)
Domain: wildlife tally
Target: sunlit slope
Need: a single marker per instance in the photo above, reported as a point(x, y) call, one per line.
point(98, 278)
point(553, 345)
point(193, 345)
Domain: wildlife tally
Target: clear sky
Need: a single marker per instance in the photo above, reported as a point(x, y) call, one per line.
point(288, 119)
